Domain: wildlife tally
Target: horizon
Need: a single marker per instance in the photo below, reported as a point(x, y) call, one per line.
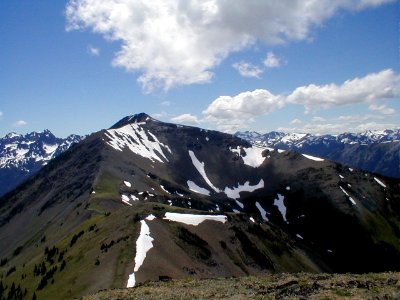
point(249, 67)
point(378, 131)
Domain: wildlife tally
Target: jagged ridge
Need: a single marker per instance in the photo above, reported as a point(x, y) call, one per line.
point(23, 155)
point(373, 151)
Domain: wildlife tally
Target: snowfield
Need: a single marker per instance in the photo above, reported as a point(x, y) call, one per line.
point(137, 140)
point(253, 157)
point(200, 168)
point(143, 244)
point(195, 188)
point(191, 219)
point(234, 193)
point(281, 206)
point(313, 157)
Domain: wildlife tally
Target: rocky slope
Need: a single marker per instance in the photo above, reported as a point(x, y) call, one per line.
point(373, 151)
point(147, 200)
point(23, 155)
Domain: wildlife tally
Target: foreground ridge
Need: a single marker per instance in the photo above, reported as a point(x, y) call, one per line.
point(278, 286)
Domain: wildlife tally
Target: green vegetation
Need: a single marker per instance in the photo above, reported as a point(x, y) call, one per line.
point(107, 186)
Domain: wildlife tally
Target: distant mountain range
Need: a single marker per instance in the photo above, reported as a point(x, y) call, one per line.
point(373, 151)
point(146, 200)
point(23, 155)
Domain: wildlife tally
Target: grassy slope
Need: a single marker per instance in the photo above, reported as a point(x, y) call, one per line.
point(279, 286)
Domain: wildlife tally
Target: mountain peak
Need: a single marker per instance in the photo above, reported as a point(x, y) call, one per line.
point(137, 118)
point(11, 135)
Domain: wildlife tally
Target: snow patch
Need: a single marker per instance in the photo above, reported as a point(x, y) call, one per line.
point(347, 194)
point(288, 188)
point(313, 157)
point(253, 157)
point(281, 206)
point(252, 219)
point(128, 184)
point(240, 204)
point(150, 217)
point(191, 219)
point(380, 182)
point(134, 198)
point(234, 193)
point(195, 188)
point(49, 149)
point(125, 199)
point(163, 188)
point(262, 211)
point(134, 137)
point(200, 168)
point(299, 236)
point(143, 244)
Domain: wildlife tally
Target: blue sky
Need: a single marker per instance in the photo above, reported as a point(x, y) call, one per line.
point(307, 66)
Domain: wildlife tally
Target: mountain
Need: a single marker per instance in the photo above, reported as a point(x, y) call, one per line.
point(373, 151)
point(147, 201)
point(23, 155)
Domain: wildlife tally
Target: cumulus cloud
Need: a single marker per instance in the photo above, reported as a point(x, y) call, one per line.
point(179, 42)
point(346, 123)
point(232, 112)
point(271, 61)
point(373, 87)
point(93, 50)
point(296, 121)
point(383, 109)
point(186, 119)
point(247, 69)
point(20, 123)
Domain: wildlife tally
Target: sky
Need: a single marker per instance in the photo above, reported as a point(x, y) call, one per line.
point(309, 66)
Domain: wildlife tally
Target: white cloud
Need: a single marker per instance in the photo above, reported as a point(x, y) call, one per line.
point(272, 61)
point(93, 50)
point(296, 121)
point(1, 114)
point(347, 123)
point(165, 103)
point(247, 70)
point(230, 113)
point(20, 123)
point(186, 119)
point(318, 120)
point(383, 109)
point(374, 86)
point(179, 42)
